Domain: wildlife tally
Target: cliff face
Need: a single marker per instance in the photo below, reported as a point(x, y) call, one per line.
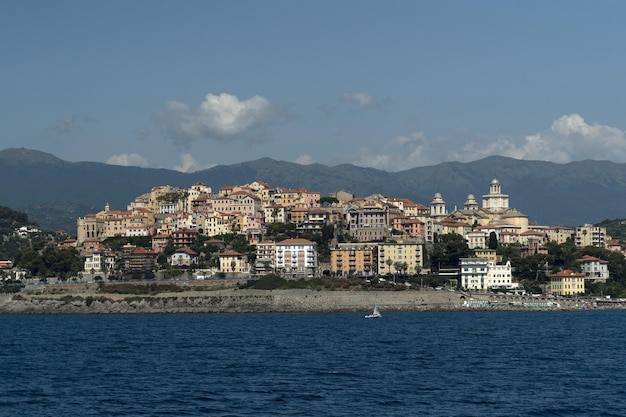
point(231, 301)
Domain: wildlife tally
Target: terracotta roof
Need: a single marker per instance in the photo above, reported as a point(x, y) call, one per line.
point(296, 241)
point(588, 258)
point(187, 251)
point(568, 273)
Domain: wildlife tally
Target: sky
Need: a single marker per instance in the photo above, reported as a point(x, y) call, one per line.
point(392, 85)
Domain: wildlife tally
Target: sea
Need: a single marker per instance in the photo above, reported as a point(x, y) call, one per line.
point(499, 363)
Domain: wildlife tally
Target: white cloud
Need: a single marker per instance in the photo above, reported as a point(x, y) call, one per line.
point(304, 160)
point(128, 159)
point(189, 164)
point(219, 117)
point(362, 99)
point(569, 138)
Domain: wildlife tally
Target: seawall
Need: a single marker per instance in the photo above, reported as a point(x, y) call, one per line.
point(247, 300)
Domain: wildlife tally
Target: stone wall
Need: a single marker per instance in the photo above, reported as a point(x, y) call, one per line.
point(231, 301)
point(88, 301)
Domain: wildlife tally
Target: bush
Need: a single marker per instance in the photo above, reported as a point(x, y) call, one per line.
point(268, 282)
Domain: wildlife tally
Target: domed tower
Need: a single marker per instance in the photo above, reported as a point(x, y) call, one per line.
point(495, 200)
point(438, 206)
point(470, 203)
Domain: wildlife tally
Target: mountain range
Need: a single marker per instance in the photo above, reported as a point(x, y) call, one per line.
point(54, 192)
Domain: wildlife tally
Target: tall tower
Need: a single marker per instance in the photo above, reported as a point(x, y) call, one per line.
point(495, 200)
point(438, 206)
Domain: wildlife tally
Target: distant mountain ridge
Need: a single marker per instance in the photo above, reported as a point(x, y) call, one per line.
point(47, 187)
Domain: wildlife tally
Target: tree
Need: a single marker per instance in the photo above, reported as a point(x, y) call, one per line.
point(493, 240)
point(389, 262)
point(448, 250)
point(405, 267)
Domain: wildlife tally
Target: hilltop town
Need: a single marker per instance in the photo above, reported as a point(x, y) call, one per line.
point(296, 233)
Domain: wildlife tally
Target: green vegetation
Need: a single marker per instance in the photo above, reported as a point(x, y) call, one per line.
point(276, 282)
point(9, 287)
point(615, 228)
point(117, 243)
point(139, 289)
point(447, 251)
point(62, 263)
point(11, 220)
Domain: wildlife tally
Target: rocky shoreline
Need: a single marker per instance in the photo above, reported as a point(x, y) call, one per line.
point(259, 301)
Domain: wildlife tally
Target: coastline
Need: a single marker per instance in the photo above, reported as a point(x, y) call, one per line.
point(231, 300)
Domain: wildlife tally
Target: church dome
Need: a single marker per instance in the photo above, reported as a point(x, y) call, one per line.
point(495, 181)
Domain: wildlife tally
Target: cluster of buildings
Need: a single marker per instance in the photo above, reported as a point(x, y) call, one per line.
point(387, 234)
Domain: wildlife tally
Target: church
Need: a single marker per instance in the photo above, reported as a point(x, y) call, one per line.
point(495, 215)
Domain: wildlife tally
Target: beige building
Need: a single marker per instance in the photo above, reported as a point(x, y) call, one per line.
point(110, 223)
point(233, 262)
point(590, 235)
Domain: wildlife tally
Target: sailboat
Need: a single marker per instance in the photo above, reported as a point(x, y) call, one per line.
point(375, 314)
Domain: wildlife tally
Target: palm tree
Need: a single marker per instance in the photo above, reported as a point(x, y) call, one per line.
point(405, 267)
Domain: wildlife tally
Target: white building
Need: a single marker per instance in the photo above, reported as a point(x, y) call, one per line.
point(296, 256)
point(495, 200)
point(595, 269)
point(478, 274)
point(183, 257)
point(99, 262)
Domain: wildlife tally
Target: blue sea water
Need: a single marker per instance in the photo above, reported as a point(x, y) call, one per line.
point(404, 364)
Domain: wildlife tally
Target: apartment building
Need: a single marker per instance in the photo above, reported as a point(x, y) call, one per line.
point(297, 257)
point(353, 259)
point(368, 223)
point(590, 235)
point(392, 255)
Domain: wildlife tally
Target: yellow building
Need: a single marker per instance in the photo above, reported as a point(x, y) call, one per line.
point(567, 283)
point(393, 255)
point(490, 254)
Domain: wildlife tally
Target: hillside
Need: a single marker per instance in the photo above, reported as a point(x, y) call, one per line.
point(53, 191)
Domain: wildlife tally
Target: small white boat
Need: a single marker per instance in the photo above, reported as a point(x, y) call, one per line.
point(375, 314)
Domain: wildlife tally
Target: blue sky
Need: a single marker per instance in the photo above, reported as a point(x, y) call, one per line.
point(393, 85)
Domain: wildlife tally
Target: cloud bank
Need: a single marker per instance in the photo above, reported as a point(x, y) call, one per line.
point(221, 117)
point(128, 160)
point(569, 138)
point(304, 160)
point(189, 164)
